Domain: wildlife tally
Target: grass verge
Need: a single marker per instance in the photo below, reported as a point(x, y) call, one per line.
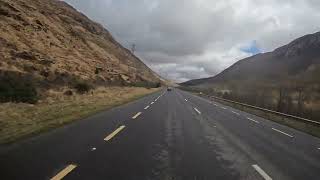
point(21, 120)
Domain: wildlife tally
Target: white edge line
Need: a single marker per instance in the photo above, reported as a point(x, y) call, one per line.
point(282, 132)
point(235, 112)
point(197, 110)
point(253, 120)
point(146, 107)
point(135, 116)
point(261, 172)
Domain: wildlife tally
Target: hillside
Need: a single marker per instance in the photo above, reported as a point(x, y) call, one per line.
point(286, 79)
point(300, 60)
point(51, 44)
point(57, 66)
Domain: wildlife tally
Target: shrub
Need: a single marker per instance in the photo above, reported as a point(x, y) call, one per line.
point(83, 87)
point(68, 93)
point(13, 89)
point(158, 84)
point(146, 84)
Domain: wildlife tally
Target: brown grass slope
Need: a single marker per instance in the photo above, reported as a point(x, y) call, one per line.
point(55, 44)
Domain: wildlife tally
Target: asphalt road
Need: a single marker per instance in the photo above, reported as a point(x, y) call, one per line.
point(170, 135)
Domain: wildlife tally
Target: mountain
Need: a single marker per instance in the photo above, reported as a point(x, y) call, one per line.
point(298, 60)
point(285, 80)
point(53, 44)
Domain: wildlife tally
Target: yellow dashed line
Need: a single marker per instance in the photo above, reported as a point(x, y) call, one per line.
point(135, 116)
point(64, 172)
point(110, 136)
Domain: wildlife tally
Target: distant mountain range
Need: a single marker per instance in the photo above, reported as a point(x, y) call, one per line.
point(298, 60)
point(54, 44)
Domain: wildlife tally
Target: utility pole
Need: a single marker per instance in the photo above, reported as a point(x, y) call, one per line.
point(133, 48)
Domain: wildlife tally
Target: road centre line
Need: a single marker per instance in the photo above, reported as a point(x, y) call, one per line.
point(197, 110)
point(261, 172)
point(135, 116)
point(110, 136)
point(152, 102)
point(282, 132)
point(64, 172)
point(146, 107)
point(253, 120)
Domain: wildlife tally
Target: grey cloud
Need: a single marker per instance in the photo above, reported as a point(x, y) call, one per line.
point(192, 39)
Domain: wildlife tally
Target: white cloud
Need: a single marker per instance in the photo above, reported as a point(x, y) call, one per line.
point(198, 38)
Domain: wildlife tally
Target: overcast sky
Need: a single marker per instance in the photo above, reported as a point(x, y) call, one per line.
point(188, 39)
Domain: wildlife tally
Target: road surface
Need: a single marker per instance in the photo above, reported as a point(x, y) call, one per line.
point(171, 135)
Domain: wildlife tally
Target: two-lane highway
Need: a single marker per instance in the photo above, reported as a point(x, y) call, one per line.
point(166, 135)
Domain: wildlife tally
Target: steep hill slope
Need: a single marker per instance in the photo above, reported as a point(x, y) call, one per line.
point(53, 44)
point(300, 60)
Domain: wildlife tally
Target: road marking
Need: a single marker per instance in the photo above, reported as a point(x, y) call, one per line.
point(146, 107)
point(282, 132)
point(319, 148)
point(151, 102)
point(261, 172)
point(197, 110)
point(253, 120)
point(186, 99)
point(93, 149)
point(235, 112)
point(223, 107)
point(135, 116)
point(110, 136)
point(64, 172)
point(215, 104)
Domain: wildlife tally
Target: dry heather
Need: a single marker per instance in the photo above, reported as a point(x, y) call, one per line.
point(56, 44)
point(21, 120)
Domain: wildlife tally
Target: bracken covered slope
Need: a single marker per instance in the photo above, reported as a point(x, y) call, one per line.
point(54, 44)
